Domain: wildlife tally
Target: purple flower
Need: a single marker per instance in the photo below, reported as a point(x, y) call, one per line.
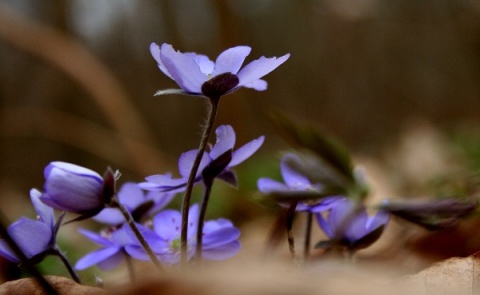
point(295, 181)
point(111, 255)
point(220, 238)
point(136, 202)
point(34, 237)
point(197, 75)
point(225, 141)
point(349, 224)
point(72, 188)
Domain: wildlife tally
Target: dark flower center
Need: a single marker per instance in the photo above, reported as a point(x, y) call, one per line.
point(219, 85)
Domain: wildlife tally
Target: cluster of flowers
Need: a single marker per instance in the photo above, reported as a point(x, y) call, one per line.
point(72, 188)
point(344, 220)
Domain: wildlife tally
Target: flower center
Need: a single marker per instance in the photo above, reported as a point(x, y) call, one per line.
point(219, 85)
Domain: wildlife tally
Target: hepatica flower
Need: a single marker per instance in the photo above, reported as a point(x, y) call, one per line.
point(112, 253)
point(34, 237)
point(76, 189)
point(225, 141)
point(136, 202)
point(196, 74)
point(349, 225)
point(220, 238)
point(295, 182)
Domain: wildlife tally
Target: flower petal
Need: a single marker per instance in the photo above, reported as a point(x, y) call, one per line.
point(259, 85)
point(185, 163)
point(223, 252)
point(231, 60)
point(259, 68)
point(112, 262)
point(225, 141)
point(203, 62)
point(183, 69)
point(155, 51)
point(292, 178)
point(267, 185)
point(96, 238)
point(44, 212)
point(110, 216)
point(8, 253)
point(220, 237)
point(33, 237)
point(131, 195)
point(167, 224)
point(244, 152)
point(95, 257)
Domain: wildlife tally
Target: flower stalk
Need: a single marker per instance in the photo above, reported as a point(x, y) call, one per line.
point(308, 234)
point(56, 252)
point(213, 108)
point(138, 234)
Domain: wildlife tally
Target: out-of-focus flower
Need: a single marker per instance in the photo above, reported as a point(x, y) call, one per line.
point(136, 202)
point(72, 188)
point(220, 238)
point(225, 141)
point(296, 182)
point(34, 237)
point(196, 74)
point(349, 225)
point(111, 255)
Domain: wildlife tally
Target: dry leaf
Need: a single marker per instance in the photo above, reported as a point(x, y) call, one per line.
point(453, 276)
point(63, 286)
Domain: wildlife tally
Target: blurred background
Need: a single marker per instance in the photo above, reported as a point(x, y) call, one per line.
point(397, 81)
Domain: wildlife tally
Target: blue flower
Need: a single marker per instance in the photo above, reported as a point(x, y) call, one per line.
point(349, 224)
point(136, 202)
point(294, 181)
point(220, 238)
point(34, 237)
point(72, 188)
point(225, 141)
point(197, 75)
point(111, 255)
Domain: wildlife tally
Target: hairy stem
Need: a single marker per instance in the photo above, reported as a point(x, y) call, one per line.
point(138, 234)
point(67, 264)
point(191, 179)
point(201, 220)
point(308, 233)
point(131, 271)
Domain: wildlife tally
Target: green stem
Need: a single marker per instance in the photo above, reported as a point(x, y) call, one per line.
point(308, 234)
point(191, 179)
point(201, 220)
point(138, 234)
point(67, 264)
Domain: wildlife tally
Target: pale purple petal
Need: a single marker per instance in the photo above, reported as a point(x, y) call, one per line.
point(356, 228)
point(155, 51)
point(325, 226)
point(112, 262)
point(8, 253)
point(33, 237)
point(185, 163)
point(160, 199)
point(267, 185)
point(44, 212)
point(167, 224)
point(183, 69)
point(376, 221)
point(72, 188)
point(259, 68)
point(96, 238)
point(244, 152)
point(111, 216)
point(259, 85)
point(223, 252)
point(95, 257)
point(292, 178)
point(203, 62)
point(220, 237)
point(131, 195)
point(213, 225)
point(225, 141)
point(231, 60)
point(159, 182)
